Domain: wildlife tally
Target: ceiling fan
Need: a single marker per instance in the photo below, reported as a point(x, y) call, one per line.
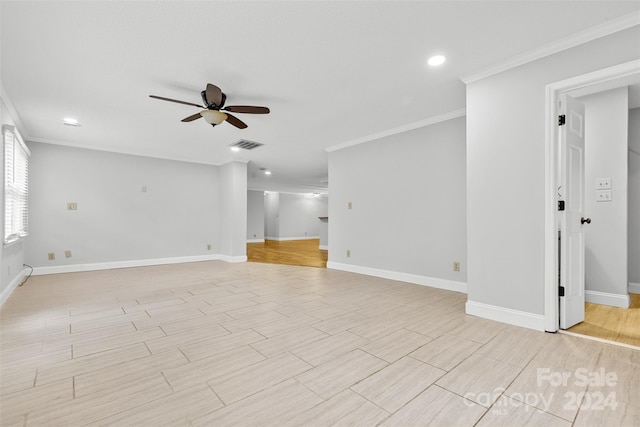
point(214, 100)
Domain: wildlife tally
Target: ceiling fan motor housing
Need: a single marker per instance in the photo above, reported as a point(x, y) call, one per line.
point(212, 105)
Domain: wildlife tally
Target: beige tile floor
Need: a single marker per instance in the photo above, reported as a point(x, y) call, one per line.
point(216, 344)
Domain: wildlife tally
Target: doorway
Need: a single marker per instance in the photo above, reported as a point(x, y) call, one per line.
point(605, 79)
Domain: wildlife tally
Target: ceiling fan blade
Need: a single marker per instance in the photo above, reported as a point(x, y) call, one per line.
point(175, 100)
point(214, 94)
point(196, 116)
point(236, 121)
point(247, 109)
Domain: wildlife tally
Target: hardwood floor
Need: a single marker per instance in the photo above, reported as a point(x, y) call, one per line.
point(253, 344)
point(290, 252)
point(612, 323)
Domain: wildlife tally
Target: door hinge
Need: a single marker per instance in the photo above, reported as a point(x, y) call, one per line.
point(560, 291)
point(561, 120)
point(560, 205)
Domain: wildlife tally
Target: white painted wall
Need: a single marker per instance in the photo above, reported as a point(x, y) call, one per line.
point(606, 153)
point(299, 215)
point(634, 195)
point(271, 215)
point(178, 215)
point(324, 233)
point(12, 256)
point(255, 215)
point(506, 171)
point(408, 204)
point(233, 218)
point(290, 216)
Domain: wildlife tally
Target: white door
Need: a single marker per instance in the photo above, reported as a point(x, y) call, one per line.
point(572, 219)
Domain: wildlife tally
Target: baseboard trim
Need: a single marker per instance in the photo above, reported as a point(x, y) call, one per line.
point(75, 268)
point(4, 296)
point(506, 315)
point(324, 247)
point(255, 240)
point(229, 258)
point(605, 298)
point(449, 285)
point(634, 288)
point(292, 238)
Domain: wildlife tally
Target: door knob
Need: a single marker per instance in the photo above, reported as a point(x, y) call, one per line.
point(583, 220)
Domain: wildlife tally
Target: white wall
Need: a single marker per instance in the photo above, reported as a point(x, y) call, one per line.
point(255, 215)
point(12, 256)
point(407, 193)
point(233, 218)
point(115, 221)
point(606, 153)
point(324, 233)
point(299, 215)
point(634, 196)
point(506, 173)
point(271, 215)
point(291, 216)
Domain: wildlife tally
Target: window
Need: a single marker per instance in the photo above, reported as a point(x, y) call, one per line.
point(16, 185)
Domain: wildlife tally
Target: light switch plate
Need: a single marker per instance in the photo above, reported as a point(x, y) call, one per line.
point(603, 195)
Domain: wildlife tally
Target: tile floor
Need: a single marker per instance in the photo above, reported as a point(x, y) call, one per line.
point(217, 344)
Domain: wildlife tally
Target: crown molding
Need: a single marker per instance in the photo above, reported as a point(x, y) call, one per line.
point(590, 34)
point(120, 151)
point(400, 129)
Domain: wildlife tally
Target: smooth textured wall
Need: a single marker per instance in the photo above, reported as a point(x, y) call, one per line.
point(116, 220)
point(271, 214)
point(233, 208)
point(506, 171)
point(606, 153)
point(299, 215)
point(634, 196)
point(255, 215)
point(407, 195)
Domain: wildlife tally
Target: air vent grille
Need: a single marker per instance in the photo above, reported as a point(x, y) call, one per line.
point(245, 144)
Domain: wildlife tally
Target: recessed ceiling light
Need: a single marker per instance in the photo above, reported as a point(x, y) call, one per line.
point(236, 149)
point(267, 172)
point(436, 60)
point(70, 122)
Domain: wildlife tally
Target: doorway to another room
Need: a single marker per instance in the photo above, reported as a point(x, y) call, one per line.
point(287, 228)
point(602, 275)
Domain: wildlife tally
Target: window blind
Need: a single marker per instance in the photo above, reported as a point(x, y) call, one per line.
point(16, 185)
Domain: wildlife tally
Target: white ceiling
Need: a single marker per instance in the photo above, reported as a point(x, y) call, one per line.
point(331, 72)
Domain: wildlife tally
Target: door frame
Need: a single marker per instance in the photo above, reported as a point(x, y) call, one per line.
point(553, 93)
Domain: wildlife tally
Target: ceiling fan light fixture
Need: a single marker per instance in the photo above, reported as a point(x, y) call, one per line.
point(213, 117)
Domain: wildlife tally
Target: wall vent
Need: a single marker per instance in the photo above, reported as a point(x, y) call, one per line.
point(245, 144)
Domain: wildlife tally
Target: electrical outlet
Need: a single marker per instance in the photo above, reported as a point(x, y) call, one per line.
point(52, 256)
point(144, 188)
point(67, 254)
point(208, 247)
point(349, 205)
point(72, 206)
point(603, 183)
point(348, 253)
point(603, 195)
point(254, 235)
point(456, 266)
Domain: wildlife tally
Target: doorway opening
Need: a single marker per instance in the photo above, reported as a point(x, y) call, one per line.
point(598, 316)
